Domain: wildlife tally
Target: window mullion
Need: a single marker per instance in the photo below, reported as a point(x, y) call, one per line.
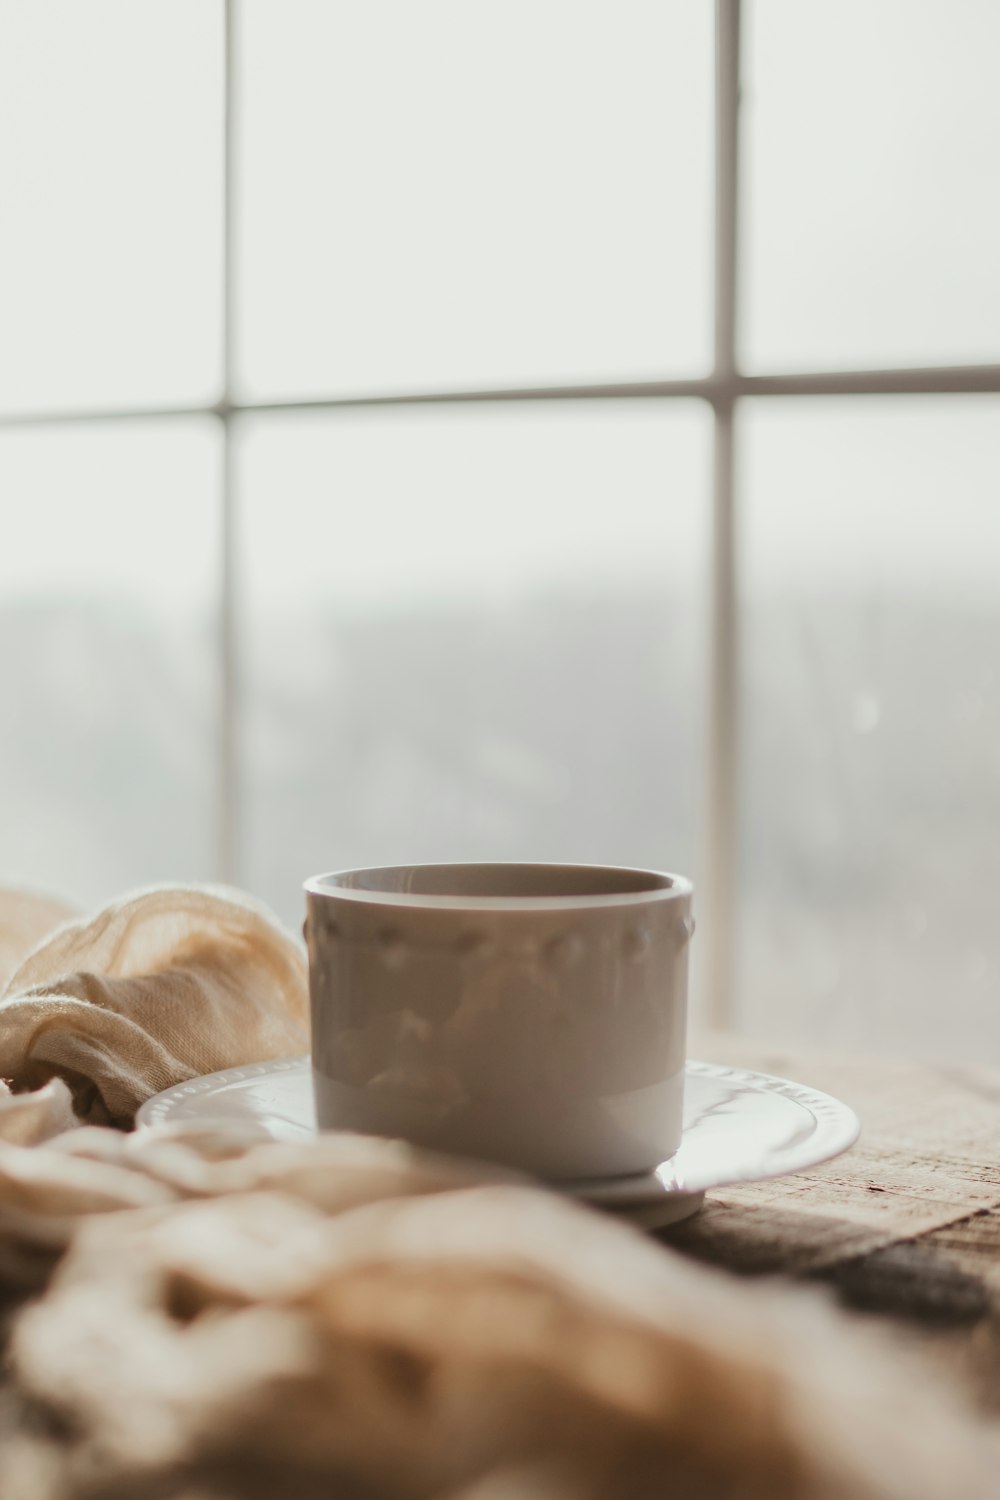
point(227, 804)
point(721, 846)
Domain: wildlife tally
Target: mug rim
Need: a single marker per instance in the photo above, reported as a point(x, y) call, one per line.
point(667, 887)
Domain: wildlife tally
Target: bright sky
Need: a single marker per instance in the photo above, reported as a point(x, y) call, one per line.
point(445, 193)
point(378, 510)
point(871, 203)
point(472, 194)
point(93, 512)
point(372, 510)
point(888, 495)
point(110, 185)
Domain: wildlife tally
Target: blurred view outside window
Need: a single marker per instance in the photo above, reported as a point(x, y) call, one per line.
point(277, 596)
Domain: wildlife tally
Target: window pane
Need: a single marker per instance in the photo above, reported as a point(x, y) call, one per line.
point(872, 202)
point(106, 656)
point(110, 181)
point(871, 857)
point(441, 193)
point(472, 634)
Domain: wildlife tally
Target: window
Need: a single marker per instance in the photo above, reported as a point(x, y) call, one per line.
point(542, 430)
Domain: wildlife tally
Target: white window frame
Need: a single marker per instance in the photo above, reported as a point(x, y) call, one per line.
point(722, 390)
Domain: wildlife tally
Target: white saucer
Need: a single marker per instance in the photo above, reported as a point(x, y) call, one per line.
point(739, 1126)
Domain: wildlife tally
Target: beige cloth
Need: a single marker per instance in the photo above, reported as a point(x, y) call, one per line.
point(156, 988)
point(351, 1317)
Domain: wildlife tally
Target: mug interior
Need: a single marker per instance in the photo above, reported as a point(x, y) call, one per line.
point(501, 883)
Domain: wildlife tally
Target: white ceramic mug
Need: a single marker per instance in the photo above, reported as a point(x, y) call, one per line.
point(528, 1014)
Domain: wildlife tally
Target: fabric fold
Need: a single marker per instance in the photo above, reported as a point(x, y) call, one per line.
point(158, 987)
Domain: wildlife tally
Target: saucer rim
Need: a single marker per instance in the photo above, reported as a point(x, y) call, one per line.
point(837, 1128)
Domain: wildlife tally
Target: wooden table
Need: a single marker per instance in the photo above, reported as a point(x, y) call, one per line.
point(906, 1224)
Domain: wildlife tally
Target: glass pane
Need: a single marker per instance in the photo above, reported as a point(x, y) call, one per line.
point(442, 194)
point(111, 184)
point(472, 634)
point(871, 862)
point(872, 203)
point(107, 580)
